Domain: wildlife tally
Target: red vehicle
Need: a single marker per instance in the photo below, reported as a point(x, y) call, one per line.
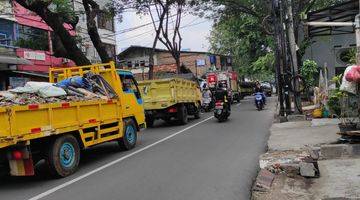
point(230, 79)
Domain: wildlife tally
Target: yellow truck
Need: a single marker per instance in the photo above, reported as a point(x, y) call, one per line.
point(170, 98)
point(57, 132)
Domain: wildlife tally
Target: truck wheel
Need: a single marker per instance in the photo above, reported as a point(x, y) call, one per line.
point(128, 141)
point(63, 156)
point(149, 122)
point(182, 115)
point(197, 113)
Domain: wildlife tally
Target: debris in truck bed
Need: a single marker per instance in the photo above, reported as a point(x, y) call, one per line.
point(88, 87)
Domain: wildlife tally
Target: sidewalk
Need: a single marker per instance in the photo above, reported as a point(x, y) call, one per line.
point(287, 174)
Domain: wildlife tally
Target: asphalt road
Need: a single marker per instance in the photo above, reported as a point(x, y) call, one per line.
point(204, 160)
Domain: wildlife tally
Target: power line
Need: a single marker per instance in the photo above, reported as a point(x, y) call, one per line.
point(183, 27)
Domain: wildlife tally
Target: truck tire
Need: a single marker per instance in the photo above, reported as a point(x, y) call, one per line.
point(63, 156)
point(128, 141)
point(197, 113)
point(149, 121)
point(182, 115)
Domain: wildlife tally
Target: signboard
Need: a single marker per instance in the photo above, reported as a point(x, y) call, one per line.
point(200, 62)
point(32, 55)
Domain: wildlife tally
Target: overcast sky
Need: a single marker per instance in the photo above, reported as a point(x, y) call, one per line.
point(194, 32)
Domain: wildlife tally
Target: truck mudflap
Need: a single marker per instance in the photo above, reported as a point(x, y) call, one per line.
point(20, 162)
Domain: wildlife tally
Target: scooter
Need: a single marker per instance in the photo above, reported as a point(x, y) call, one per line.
point(259, 101)
point(206, 104)
point(222, 110)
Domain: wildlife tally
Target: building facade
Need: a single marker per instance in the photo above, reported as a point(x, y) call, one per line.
point(26, 51)
point(331, 47)
point(136, 58)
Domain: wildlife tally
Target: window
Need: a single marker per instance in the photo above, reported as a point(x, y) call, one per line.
point(33, 38)
point(3, 39)
point(130, 85)
point(129, 64)
point(105, 21)
point(347, 56)
point(6, 32)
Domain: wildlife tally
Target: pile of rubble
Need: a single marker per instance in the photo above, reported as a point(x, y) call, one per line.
point(78, 88)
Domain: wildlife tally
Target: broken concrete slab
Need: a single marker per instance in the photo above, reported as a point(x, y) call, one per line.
point(340, 179)
point(333, 151)
point(286, 188)
point(264, 180)
point(295, 118)
point(307, 169)
point(324, 122)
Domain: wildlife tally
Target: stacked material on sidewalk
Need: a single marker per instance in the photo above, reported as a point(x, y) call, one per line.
point(77, 88)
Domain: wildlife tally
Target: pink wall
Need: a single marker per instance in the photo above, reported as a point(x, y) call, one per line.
point(25, 17)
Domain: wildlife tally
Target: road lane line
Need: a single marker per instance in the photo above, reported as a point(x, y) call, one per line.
point(53, 190)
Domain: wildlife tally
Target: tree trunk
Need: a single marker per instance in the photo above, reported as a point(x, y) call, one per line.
point(178, 64)
point(92, 29)
point(56, 23)
point(151, 65)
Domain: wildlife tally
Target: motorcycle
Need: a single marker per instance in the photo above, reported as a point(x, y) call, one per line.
point(259, 101)
point(221, 112)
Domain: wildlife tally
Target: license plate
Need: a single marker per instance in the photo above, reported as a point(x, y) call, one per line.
point(219, 107)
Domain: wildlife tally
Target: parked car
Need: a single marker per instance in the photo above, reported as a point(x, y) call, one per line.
point(267, 87)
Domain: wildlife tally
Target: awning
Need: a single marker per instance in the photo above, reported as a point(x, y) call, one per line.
point(43, 75)
point(342, 12)
point(14, 60)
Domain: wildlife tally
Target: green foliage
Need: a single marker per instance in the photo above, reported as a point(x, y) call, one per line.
point(349, 56)
point(309, 71)
point(262, 68)
point(335, 96)
point(65, 9)
point(242, 37)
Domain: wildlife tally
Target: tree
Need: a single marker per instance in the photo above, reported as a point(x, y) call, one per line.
point(56, 13)
point(166, 19)
point(243, 28)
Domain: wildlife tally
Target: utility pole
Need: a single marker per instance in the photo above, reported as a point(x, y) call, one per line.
point(284, 58)
point(278, 50)
point(294, 61)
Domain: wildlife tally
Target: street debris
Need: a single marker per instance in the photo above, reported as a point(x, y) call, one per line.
point(78, 88)
point(307, 169)
point(264, 180)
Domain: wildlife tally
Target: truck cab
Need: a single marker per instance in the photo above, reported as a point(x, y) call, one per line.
point(131, 99)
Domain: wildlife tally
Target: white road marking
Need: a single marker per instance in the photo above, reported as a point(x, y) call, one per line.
point(53, 190)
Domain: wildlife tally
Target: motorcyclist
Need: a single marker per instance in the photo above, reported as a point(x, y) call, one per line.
point(259, 89)
point(221, 93)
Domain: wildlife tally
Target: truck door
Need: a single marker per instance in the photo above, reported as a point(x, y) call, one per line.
point(131, 100)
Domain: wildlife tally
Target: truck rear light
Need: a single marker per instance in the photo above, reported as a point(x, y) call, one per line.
point(109, 101)
point(92, 120)
point(33, 106)
point(65, 105)
point(35, 130)
point(172, 110)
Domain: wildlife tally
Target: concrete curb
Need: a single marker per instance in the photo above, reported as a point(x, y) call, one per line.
point(332, 151)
